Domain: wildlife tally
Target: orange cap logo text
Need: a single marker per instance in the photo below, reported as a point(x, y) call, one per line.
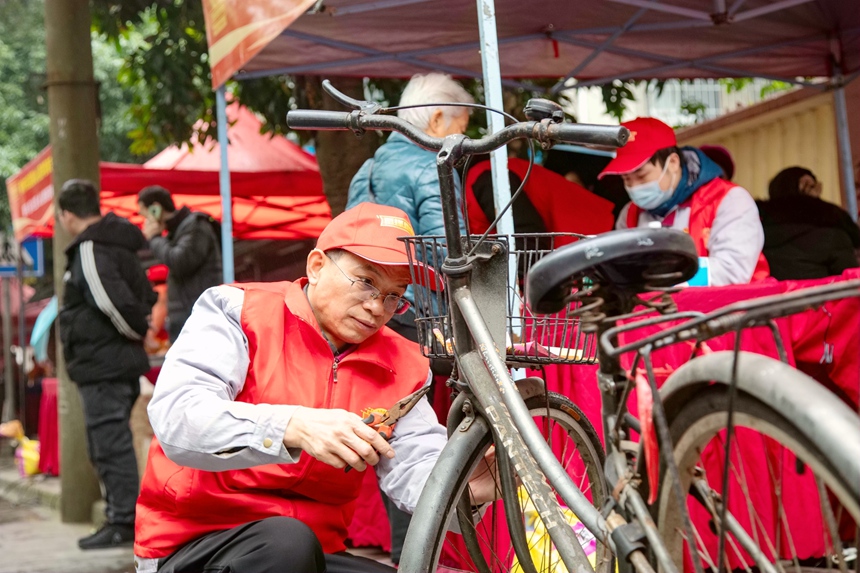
point(397, 222)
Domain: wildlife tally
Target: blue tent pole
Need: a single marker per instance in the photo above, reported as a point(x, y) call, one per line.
point(226, 197)
point(498, 158)
point(495, 122)
point(845, 161)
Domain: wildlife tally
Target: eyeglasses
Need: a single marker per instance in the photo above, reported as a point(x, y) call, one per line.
point(364, 291)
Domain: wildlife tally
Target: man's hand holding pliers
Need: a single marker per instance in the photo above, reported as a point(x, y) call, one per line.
point(383, 421)
point(343, 439)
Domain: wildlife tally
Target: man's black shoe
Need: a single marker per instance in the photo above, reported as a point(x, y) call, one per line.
point(110, 535)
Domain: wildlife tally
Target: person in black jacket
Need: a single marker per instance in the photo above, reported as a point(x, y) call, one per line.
point(191, 250)
point(804, 236)
point(103, 321)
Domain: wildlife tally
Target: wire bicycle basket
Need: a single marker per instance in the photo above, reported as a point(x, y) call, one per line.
point(531, 339)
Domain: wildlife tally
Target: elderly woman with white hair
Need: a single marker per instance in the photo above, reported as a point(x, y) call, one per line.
point(401, 174)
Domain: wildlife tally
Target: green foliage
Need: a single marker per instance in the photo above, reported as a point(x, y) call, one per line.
point(23, 105)
point(616, 95)
point(24, 122)
point(774, 87)
point(116, 125)
point(166, 68)
point(737, 84)
point(694, 108)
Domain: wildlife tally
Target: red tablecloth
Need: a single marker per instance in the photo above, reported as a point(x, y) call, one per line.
point(805, 335)
point(49, 450)
point(836, 323)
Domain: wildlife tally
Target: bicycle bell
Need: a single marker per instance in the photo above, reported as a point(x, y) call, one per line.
point(538, 109)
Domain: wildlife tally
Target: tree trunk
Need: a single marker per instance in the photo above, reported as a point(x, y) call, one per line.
point(339, 153)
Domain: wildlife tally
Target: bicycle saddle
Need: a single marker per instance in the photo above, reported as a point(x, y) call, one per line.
point(626, 260)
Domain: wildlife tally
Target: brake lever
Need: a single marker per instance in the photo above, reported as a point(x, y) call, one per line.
point(366, 107)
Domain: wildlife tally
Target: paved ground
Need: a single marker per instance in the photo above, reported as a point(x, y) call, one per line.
point(32, 540)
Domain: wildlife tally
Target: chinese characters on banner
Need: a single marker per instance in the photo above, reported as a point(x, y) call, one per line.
point(31, 195)
point(236, 30)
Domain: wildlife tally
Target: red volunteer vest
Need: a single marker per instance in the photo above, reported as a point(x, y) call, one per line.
point(703, 210)
point(564, 206)
point(290, 363)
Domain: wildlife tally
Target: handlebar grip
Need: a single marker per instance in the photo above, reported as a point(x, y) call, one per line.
point(316, 119)
point(584, 134)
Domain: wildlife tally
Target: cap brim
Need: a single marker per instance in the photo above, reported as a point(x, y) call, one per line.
point(420, 273)
point(622, 165)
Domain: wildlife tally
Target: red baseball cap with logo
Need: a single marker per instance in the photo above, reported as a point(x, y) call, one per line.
point(371, 231)
point(647, 136)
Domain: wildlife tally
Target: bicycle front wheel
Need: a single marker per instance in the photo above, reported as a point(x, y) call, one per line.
point(486, 542)
point(791, 502)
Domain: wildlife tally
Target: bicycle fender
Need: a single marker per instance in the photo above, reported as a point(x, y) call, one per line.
point(819, 414)
point(417, 556)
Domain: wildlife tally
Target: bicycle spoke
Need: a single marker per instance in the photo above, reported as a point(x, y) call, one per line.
point(771, 480)
point(830, 520)
point(701, 549)
point(488, 541)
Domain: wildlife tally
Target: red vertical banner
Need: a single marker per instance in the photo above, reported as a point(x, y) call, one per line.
point(31, 196)
point(236, 30)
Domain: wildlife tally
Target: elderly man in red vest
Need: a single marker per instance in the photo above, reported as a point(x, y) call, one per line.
point(256, 413)
point(684, 189)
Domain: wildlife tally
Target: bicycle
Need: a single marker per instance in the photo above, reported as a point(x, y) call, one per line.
point(491, 409)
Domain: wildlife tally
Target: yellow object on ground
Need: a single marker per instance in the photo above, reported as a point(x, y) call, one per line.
point(27, 457)
point(27, 452)
point(544, 554)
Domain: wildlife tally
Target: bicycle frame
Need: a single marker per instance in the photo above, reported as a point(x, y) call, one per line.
point(477, 356)
point(495, 394)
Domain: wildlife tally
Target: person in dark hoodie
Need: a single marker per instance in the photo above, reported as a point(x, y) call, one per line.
point(804, 236)
point(103, 321)
point(191, 250)
point(681, 188)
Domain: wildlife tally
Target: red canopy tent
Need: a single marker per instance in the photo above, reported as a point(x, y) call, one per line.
point(277, 189)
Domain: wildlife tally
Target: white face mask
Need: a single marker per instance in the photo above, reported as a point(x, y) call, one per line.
point(650, 195)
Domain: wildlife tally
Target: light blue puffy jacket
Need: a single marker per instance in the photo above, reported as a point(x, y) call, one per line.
point(405, 176)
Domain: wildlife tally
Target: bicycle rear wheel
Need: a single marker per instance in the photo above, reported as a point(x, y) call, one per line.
point(486, 542)
point(790, 504)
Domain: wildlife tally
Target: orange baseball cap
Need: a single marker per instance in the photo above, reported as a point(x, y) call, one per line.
point(371, 231)
point(647, 136)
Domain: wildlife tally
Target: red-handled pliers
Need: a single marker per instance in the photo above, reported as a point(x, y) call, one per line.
point(384, 421)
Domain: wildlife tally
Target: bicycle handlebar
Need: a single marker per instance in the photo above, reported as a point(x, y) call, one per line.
point(546, 132)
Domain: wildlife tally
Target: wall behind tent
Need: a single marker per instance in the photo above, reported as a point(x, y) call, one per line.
point(798, 128)
point(852, 102)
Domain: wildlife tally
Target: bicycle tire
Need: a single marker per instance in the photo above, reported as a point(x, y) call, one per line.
point(794, 457)
point(489, 534)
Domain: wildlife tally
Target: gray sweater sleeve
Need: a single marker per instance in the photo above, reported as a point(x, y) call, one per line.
point(417, 440)
point(193, 411)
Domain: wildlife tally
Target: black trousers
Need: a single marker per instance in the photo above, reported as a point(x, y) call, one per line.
point(272, 545)
point(107, 411)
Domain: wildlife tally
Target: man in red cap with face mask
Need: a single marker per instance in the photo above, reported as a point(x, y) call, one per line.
point(256, 413)
point(682, 188)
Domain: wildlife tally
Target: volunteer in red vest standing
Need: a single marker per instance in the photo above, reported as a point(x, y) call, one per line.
point(257, 411)
point(683, 189)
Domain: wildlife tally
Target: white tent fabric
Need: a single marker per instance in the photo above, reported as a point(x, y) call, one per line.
point(592, 40)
